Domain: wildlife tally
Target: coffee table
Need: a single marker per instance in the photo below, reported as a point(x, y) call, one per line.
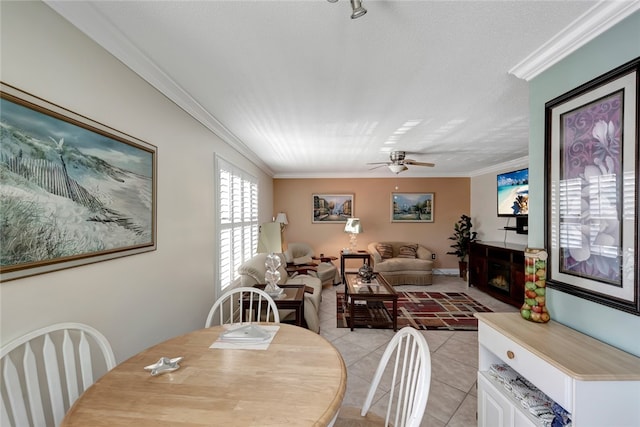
point(292, 298)
point(365, 301)
point(363, 255)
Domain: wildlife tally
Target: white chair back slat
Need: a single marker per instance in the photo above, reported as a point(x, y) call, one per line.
point(33, 385)
point(70, 369)
point(411, 379)
point(54, 381)
point(35, 391)
point(13, 388)
point(84, 357)
point(410, 375)
point(4, 415)
point(231, 303)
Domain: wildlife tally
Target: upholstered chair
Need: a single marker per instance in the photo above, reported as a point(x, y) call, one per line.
point(253, 271)
point(301, 254)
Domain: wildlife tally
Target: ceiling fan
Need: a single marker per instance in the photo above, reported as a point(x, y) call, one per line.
point(399, 162)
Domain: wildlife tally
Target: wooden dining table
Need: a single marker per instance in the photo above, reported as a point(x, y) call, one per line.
point(299, 380)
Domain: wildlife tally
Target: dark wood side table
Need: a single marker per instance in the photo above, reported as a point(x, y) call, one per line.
point(291, 299)
point(363, 255)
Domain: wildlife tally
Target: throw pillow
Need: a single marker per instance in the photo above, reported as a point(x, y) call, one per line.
point(385, 250)
point(408, 251)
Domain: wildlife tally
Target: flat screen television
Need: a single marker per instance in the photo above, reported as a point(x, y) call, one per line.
point(513, 193)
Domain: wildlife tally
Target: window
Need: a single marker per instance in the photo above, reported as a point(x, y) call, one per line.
point(237, 221)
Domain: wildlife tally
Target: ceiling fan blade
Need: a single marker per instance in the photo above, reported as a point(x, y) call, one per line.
point(376, 167)
point(414, 163)
point(379, 163)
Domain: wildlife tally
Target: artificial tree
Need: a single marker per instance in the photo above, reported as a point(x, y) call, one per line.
point(462, 236)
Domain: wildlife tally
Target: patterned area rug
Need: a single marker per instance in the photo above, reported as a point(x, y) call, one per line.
point(445, 311)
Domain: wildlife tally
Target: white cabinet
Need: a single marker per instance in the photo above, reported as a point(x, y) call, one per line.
point(496, 408)
point(597, 383)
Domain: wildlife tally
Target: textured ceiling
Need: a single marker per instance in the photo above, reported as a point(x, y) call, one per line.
point(305, 91)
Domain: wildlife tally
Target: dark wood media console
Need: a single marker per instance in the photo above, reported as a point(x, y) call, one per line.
point(498, 269)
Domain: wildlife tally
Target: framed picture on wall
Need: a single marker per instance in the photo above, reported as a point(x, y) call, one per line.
point(72, 191)
point(591, 159)
point(412, 207)
point(330, 208)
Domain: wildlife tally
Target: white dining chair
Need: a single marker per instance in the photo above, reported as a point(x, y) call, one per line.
point(44, 372)
point(408, 361)
point(230, 307)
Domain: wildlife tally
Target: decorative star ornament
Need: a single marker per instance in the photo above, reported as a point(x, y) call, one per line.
point(164, 365)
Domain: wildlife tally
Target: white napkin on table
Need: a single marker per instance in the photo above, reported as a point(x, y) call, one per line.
point(246, 344)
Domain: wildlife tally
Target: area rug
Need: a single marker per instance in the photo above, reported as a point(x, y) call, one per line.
point(445, 311)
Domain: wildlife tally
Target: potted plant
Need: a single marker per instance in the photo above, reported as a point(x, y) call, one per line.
point(462, 236)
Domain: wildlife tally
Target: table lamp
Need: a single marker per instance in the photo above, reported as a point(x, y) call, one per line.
point(281, 219)
point(354, 227)
point(270, 241)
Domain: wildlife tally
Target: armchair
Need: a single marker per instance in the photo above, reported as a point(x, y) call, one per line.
point(252, 273)
point(301, 255)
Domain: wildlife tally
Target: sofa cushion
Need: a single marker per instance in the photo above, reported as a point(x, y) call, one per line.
point(408, 251)
point(400, 264)
point(385, 250)
point(423, 253)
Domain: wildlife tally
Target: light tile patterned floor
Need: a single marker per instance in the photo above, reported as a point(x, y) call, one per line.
point(454, 357)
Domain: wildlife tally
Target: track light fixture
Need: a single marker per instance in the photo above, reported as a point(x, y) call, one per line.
point(356, 6)
point(358, 10)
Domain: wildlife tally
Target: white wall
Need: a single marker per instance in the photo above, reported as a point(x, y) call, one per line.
point(139, 300)
point(484, 211)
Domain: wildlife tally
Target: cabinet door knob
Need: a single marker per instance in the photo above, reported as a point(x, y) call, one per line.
point(510, 354)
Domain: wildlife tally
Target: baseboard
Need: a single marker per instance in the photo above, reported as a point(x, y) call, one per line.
point(435, 271)
point(445, 272)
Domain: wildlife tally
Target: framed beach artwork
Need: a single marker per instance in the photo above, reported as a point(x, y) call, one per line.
point(412, 207)
point(591, 214)
point(331, 208)
point(72, 191)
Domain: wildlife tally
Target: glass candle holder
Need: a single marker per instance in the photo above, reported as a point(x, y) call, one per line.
point(534, 307)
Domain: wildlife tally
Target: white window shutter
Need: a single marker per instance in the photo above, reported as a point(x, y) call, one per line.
point(238, 221)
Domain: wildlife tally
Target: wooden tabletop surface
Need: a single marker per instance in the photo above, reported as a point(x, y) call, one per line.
point(576, 354)
point(300, 380)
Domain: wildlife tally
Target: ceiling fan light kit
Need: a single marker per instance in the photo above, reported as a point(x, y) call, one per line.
point(356, 6)
point(398, 163)
point(397, 168)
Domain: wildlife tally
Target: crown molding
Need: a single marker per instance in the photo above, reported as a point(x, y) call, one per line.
point(522, 162)
point(94, 25)
point(585, 28)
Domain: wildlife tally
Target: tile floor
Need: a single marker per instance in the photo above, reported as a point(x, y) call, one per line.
point(454, 357)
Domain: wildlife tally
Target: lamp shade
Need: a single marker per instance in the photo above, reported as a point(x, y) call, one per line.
point(281, 218)
point(353, 226)
point(270, 238)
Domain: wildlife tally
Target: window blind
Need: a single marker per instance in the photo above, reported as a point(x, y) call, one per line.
point(237, 221)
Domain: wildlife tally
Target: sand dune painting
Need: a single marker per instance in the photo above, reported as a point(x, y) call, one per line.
point(72, 191)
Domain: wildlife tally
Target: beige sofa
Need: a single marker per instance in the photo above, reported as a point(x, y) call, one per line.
point(252, 272)
point(402, 263)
